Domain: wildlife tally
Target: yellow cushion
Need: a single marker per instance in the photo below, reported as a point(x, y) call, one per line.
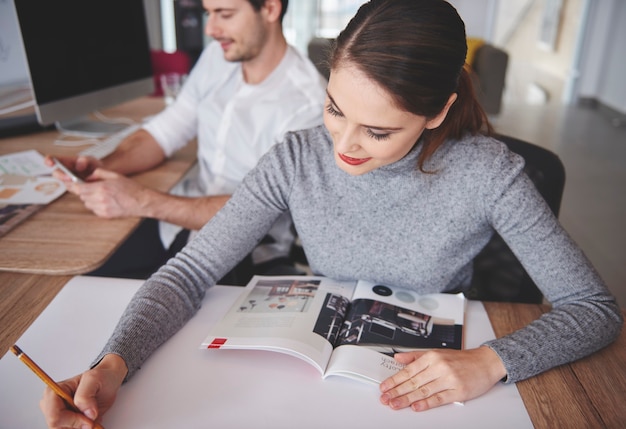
point(473, 43)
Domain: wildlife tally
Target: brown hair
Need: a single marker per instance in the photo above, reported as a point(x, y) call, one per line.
point(258, 4)
point(415, 50)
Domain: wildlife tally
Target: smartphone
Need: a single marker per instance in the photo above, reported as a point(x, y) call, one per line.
point(64, 169)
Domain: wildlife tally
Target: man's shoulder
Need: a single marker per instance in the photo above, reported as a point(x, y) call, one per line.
point(301, 70)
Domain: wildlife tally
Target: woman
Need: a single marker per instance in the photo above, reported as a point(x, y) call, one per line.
point(400, 187)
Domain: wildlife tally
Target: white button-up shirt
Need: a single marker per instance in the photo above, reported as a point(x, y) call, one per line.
point(236, 123)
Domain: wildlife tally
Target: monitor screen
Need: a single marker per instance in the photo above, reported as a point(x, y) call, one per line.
point(84, 56)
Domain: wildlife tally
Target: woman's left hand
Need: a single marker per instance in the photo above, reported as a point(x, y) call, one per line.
point(437, 377)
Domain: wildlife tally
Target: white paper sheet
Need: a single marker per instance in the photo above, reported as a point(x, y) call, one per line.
point(183, 387)
point(25, 179)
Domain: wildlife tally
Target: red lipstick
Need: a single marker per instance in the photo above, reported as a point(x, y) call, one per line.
point(353, 161)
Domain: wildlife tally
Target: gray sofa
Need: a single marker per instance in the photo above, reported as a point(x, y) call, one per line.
point(489, 66)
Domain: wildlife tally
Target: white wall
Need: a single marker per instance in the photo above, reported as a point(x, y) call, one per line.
point(303, 21)
point(507, 16)
point(153, 19)
point(478, 16)
point(602, 59)
point(601, 71)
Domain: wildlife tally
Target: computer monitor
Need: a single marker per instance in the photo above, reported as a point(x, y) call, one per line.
point(84, 56)
point(17, 114)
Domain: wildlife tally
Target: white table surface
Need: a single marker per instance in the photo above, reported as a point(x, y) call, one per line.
point(181, 386)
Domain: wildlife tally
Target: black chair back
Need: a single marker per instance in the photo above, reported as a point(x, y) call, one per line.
point(498, 275)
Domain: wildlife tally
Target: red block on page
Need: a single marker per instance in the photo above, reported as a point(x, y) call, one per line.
point(216, 343)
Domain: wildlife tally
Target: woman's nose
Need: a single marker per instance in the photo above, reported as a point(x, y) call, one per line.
point(346, 141)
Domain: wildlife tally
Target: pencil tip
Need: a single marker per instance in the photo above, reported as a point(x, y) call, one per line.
point(16, 350)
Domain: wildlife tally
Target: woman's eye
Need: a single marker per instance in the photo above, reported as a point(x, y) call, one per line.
point(376, 136)
point(331, 110)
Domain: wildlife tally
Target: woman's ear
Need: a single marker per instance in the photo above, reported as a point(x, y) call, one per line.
point(438, 120)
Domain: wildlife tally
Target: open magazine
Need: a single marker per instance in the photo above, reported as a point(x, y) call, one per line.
point(26, 185)
point(342, 328)
point(26, 179)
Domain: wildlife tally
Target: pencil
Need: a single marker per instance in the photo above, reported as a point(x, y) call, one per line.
point(48, 380)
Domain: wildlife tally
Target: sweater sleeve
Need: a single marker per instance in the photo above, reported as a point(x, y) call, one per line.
point(584, 316)
point(168, 299)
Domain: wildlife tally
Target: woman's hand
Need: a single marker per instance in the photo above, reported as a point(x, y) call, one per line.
point(94, 392)
point(437, 377)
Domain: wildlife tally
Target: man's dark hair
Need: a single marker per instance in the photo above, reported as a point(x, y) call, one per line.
point(258, 4)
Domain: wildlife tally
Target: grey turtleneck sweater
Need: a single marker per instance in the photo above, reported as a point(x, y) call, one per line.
point(394, 225)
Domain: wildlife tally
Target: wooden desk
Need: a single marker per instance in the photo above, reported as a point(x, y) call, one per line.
point(585, 394)
point(588, 393)
point(23, 297)
point(65, 238)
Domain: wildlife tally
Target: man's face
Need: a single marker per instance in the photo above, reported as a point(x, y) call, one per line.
point(240, 30)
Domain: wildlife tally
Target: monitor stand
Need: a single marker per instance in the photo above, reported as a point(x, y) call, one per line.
point(21, 124)
point(84, 126)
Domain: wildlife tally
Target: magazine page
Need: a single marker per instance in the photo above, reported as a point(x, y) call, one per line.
point(383, 320)
point(297, 315)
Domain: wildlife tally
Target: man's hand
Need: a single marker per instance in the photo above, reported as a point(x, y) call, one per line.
point(111, 195)
point(81, 166)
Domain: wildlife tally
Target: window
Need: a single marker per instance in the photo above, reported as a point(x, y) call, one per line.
point(306, 19)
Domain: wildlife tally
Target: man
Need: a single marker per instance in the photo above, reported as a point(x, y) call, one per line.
point(248, 88)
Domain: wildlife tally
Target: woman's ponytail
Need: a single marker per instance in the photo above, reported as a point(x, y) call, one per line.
point(466, 115)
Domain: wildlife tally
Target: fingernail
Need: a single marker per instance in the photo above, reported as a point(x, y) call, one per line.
point(85, 426)
point(90, 413)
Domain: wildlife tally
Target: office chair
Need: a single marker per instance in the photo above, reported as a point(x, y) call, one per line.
point(168, 62)
point(498, 275)
point(318, 50)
